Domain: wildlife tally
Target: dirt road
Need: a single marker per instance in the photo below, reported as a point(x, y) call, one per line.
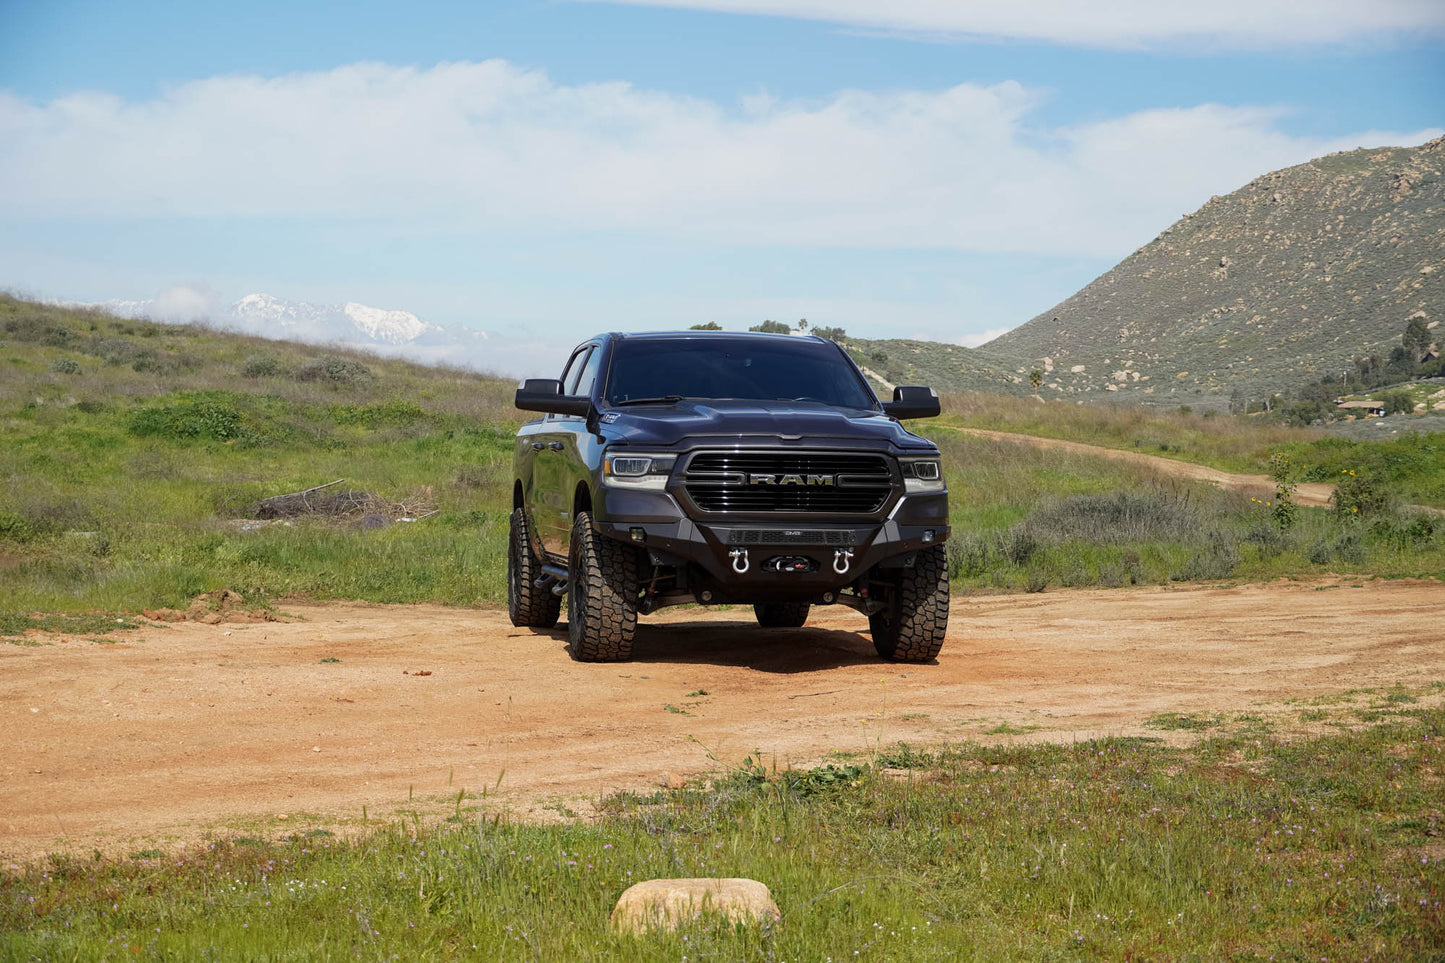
point(1316, 494)
point(182, 729)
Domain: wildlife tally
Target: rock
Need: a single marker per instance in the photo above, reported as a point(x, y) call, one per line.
point(671, 780)
point(668, 903)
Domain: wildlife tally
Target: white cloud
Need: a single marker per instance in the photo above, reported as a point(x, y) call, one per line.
point(1117, 25)
point(491, 146)
point(981, 337)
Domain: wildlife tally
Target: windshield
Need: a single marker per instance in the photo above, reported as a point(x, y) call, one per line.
point(752, 369)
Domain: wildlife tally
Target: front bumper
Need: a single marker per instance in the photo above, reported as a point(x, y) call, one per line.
point(840, 550)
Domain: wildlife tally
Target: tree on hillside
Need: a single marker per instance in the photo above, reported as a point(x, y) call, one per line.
point(802, 324)
point(1416, 340)
point(771, 327)
point(709, 326)
point(1397, 402)
point(832, 334)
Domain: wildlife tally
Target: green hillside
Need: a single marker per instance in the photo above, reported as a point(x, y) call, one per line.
point(1295, 276)
point(136, 461)
point(134, 456)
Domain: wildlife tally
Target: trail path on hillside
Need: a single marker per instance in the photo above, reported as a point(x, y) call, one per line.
point(174, 731)
point(1316, 494)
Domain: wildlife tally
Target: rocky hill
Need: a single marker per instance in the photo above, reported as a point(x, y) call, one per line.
point(1293, 276)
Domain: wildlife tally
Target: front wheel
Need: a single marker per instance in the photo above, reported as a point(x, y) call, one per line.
point(781, 615)
point(914, 621)
point(603, 584)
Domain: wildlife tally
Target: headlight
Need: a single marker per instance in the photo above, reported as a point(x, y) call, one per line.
point(921, 474)
point(647, 472)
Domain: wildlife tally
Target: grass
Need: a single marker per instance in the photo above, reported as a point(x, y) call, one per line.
point(1242, 847)
point(133, 482)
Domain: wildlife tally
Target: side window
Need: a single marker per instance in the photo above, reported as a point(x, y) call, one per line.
point(574, 364)
point(587, 378)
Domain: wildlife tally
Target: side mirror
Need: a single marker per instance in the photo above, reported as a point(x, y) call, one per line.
point(912, 401)
point(545, 394)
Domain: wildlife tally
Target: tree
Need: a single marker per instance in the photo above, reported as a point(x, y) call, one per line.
point(771, 327)
point(1397, 402)
point(832, 334)
point(1416, 340)
point(802, 324)
point(709, 326)
point(1036, 378)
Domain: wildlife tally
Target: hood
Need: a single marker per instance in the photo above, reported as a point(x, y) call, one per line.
point(756, 423)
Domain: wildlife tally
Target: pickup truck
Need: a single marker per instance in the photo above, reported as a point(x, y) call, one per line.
point(722, 468)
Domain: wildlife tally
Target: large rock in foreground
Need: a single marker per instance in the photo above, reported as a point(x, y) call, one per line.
point(668, 903)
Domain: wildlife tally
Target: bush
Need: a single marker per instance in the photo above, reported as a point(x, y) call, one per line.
point(334, 370)
point(190, 421)
point(1218, 560)
point(15, 528)
point(1397, 402)
point(65, 366)
point(1116, 518)
point(1359, 496)
point(260, 366)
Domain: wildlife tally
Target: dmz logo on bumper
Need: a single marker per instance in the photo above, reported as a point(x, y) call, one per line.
point(774, 479)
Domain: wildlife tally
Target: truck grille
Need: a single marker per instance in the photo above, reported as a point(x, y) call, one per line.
point(802, 482)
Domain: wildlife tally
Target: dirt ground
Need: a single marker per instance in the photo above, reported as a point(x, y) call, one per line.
point(173, 731)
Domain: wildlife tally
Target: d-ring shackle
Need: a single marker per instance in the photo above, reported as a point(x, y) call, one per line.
point(740, 560)
point(842, 560)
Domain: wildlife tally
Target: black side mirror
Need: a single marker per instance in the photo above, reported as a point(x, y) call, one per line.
point(545, 394)
point(912, 401)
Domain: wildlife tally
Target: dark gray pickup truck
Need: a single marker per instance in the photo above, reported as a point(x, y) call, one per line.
point(709, 468)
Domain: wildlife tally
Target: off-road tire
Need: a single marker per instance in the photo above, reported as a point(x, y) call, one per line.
point(602, 592)
point(912, 625)
point(527, 605)
point(781, 615)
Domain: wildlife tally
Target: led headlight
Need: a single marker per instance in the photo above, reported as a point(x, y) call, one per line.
point(921, 474)
point(638, 471)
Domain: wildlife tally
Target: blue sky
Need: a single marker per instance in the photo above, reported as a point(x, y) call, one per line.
point(542, 169)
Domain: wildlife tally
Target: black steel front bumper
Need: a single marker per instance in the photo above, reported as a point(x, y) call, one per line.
point(733, 555)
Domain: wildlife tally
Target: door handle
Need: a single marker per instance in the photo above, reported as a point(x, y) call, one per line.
point(555, 445)
point(536, 446)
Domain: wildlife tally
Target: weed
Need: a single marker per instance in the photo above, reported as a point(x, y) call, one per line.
point(1181, 721)
point(65, 366)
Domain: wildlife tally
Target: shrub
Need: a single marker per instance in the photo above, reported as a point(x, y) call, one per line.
point(115, 350)
point(1117, 517)
point(333, 370)
point(65, 366)
point(15, 528)
point(1397, 402)
point(1359, 496)
point(190, 421)
point(1218, 559)
point(260, 366)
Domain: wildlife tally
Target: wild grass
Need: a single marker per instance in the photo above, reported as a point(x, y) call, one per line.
point(122, 486)
point(1242, 847)
point(1025, 519)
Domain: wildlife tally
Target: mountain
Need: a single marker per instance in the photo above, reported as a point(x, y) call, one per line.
point(1295, 275)
point(351, 322)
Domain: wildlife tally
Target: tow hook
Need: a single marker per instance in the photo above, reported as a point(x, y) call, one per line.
point(740, 559)
point(842, 560)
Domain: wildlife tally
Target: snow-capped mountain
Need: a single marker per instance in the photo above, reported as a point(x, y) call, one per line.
point(351, 322)
point(380, 330)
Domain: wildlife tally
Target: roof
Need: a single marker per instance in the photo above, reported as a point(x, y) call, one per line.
point(1361, 404)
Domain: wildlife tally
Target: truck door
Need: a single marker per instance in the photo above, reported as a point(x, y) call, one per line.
point(557, 461)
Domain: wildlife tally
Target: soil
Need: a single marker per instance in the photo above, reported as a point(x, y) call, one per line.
point(157, 737)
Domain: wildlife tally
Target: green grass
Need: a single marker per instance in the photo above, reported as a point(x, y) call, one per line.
point(121, 486)
point(1242, 847)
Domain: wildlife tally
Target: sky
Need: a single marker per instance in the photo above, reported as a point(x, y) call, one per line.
point(546, 169)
